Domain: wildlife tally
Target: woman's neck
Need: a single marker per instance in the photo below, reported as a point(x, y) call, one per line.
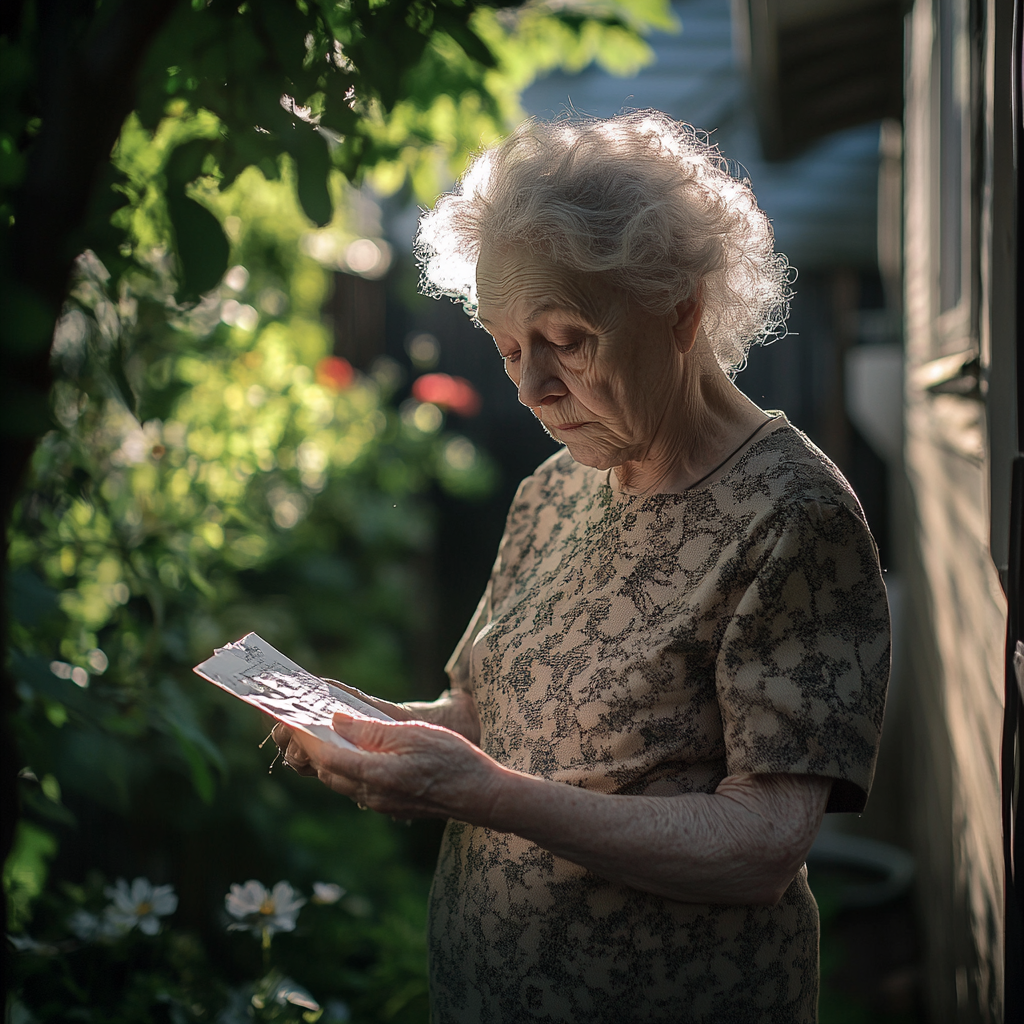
point(709, 421)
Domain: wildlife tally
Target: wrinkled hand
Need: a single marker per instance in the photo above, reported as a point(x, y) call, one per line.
point(291, 750)
point(293, 753)
point(406, 769)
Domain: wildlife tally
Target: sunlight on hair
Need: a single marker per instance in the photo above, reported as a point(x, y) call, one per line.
point(640, 200)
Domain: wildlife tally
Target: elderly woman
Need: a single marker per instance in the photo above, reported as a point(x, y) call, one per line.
point(679, 662)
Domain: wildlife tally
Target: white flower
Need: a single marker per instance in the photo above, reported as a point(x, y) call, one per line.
point(140, 905)
point(261, 911)
point(327, 892)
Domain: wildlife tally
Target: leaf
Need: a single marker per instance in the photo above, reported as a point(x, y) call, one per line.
point(26, 870)
point(475, 48)
point(312, 164)
point(338, 116)
point(242, 149)
point(34, 672)
point(200, 582)
point(185, 163)
point(31, 601)
point(202, 778)
point(40, 806)
point(125, 391)
point(103, 229)
point(200, 243)
point(645, 16)
point(388, 48)
point(157, 404)
point(179, 711)
point(282, 29)
point(12, 162)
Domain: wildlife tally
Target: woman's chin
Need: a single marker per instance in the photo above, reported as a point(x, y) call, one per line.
point(587, 455)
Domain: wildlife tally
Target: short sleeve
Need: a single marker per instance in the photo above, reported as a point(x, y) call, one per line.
point(804, 665)
point(458, 668)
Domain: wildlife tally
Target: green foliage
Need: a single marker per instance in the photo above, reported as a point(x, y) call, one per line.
point(25, 870)
point(396, 91)
point(209, 468)
point(402, 90)
point(251, 490)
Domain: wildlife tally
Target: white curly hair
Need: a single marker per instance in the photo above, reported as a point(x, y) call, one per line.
point(639, 200)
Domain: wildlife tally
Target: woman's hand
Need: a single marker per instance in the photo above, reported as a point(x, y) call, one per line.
point(409, 769)
point(290, 750)
point(454, 710)
point(739, 845)
point(399, 712)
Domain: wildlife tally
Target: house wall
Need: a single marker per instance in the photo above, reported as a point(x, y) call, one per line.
point(957, 611)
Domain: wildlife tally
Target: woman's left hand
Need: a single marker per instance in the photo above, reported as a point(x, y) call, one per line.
point(742, 844)
point(405, 769)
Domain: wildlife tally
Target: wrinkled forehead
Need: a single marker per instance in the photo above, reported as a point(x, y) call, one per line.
point(515, 283)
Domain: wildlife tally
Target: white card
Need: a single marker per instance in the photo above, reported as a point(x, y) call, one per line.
point(261, 675)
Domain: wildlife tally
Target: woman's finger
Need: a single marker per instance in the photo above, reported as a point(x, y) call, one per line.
point(281, 735)
point(406, 769)
point(296, 759)
point(371, 735)
point(295, 753)
point(291, 749)
point(396, 711)
point(356, 791)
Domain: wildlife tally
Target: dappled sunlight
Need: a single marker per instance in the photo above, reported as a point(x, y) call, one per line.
point(209, 464)
point(213, 451)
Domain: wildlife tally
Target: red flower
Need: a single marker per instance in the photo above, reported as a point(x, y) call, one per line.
point(452, 393)
point(335, 373)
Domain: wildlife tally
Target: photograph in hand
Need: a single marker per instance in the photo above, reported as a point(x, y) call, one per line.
point(259, 674)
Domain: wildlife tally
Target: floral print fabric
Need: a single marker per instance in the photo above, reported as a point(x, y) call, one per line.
point(654, 645)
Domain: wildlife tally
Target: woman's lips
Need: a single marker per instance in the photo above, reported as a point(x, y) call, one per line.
point(564, 426)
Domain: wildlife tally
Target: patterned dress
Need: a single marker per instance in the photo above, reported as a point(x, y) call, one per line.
point(654, 645)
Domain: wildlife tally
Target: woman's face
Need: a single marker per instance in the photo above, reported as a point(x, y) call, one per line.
point(601, 375)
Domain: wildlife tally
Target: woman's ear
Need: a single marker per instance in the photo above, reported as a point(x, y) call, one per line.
point(688, 314)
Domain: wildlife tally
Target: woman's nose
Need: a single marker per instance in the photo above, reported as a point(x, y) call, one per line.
point(538, 380)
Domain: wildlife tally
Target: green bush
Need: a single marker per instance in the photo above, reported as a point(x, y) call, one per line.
point(264, 486)
point(213, 469)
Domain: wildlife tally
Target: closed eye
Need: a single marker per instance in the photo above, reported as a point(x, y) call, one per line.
point(570, 343)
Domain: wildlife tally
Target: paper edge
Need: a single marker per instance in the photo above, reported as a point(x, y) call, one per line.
point(347, 702)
